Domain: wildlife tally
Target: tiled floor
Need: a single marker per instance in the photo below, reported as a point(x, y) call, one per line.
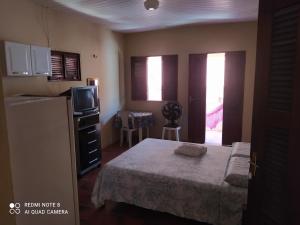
point(213, 137)
point(119, 213)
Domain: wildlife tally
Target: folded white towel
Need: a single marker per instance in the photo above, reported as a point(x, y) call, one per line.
point(193, 150)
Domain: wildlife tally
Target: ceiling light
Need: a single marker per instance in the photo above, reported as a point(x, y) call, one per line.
point(151, 4)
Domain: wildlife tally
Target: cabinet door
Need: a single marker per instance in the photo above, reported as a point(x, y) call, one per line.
point(18, 60)
point(40, 61)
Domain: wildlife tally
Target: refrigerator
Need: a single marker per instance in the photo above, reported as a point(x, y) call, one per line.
point(43, 163)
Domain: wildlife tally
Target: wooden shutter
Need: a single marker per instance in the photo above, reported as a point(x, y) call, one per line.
point(274, 191)
point(169, 77)
point(72, 66)
point(65, 66)
point(139, 78)
point(197, 97)
point(57, 63)
point(233, 97)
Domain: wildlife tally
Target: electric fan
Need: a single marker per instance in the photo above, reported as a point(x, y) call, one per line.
point(172, 111)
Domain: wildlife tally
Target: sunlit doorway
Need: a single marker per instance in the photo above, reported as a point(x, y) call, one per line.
point(214, 98)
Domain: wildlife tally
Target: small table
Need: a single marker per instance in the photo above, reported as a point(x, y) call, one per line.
point(141, 120)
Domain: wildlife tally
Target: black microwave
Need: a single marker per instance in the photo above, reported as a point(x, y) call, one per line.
point(85, 100)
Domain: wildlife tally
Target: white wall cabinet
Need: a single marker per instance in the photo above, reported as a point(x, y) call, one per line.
point(40, 61)
point(18, 59)
point(27, 60)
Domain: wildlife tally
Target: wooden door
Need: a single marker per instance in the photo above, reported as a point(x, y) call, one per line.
point(274, 190)
point(233, 97)
point(197, 97)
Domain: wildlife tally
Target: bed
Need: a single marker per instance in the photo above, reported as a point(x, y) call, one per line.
point(151, 176)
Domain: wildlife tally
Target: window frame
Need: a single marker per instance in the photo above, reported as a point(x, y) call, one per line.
point(139, 85)
point(64, 55)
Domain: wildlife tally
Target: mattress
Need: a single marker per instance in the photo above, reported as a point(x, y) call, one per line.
point(151, 176)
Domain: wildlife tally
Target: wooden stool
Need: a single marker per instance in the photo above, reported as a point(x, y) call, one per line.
point(170, 129)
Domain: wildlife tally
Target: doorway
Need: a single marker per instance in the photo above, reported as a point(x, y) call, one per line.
point(215, 67)
point(221, 77)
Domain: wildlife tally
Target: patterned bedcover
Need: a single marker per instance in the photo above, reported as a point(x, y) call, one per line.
point(151, 176)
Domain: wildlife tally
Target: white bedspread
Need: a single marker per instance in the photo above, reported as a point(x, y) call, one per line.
point(150, 175)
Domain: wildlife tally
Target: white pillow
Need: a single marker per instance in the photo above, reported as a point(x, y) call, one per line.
point(193, 150)
point(241, 149)
point(237, 172)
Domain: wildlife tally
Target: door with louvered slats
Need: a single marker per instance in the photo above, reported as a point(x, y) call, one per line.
point(72, 67)
point(57, 66)
point(65, 66)
point(274, 188)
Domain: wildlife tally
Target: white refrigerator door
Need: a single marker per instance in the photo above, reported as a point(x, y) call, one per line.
point(41, 161)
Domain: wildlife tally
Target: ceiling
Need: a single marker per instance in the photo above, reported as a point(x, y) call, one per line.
point(131, 16)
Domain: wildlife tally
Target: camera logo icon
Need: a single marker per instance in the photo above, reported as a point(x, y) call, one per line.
point(14, 208)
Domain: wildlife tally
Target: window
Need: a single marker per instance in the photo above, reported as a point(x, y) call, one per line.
point(65, 66)
point(154, 78)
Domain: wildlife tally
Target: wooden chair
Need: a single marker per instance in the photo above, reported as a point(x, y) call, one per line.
point(127, 125)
